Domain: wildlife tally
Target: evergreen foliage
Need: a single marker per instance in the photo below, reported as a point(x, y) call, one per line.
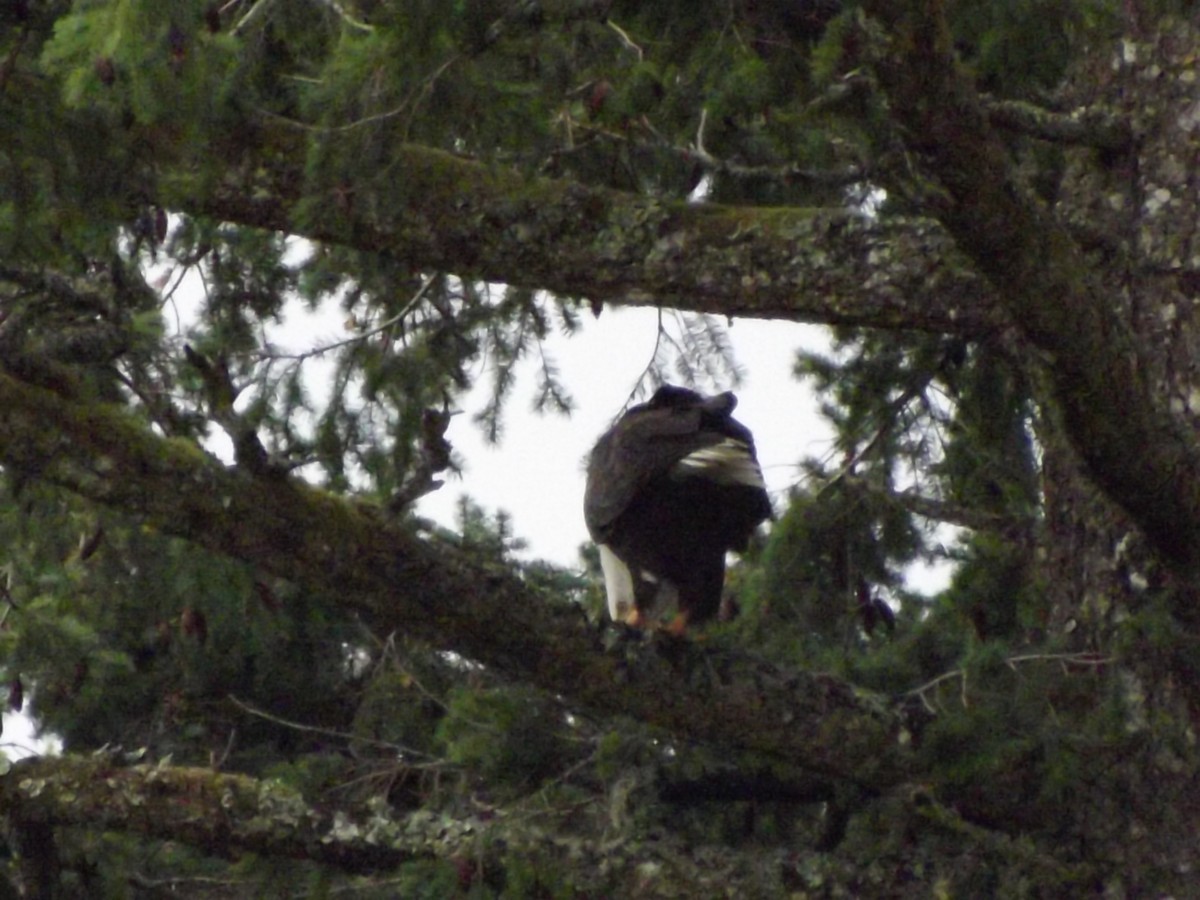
point(269, 676)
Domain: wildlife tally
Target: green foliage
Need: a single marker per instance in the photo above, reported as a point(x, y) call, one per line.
point(124, 636)
point(490, 535)
point(511, 739)
point(154, 63)
point(1024, 47)
point(829, 578)
point(169, 630)
point(989, 457)
point(428, 880)
point(526, 877)
point(993, 588)
point(1047, 729)
point(805, 598)
point(403, 707)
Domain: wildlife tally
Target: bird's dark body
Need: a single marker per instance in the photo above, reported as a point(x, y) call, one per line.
point(671, 488)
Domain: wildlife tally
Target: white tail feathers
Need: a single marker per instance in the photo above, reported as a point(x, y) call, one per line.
point(618, 584)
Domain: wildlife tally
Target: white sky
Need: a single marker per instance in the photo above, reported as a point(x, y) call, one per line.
point(537, 472)
point(18, 740)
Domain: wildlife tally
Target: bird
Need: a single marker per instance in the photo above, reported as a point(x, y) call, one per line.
point(671, 488)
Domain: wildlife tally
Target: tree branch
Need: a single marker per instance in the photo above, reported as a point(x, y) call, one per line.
point(225, 815)
point(953, 513)
point(437, 593)
point(1140, 455)
point(1097, 128)
point(832, 266)
point(218, 813)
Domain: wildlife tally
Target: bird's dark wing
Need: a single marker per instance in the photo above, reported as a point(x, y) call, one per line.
point(642, 446)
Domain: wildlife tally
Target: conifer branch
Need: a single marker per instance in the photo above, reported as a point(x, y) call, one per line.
point(228, 815)
point(440, 594)
point(829, 266)
point(1091, 127)
point(1107, 402)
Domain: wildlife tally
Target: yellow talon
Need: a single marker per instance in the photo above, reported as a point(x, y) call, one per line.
point(677, 626)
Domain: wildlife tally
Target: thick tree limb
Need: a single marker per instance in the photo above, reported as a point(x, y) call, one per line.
point(439, 211)
point(953, 513)
point(1097, 128)
point(1139, 454)
point(436, 593)
point(218, 813)
point(226, 815)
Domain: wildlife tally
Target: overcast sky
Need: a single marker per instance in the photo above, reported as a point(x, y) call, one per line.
point(536, 473)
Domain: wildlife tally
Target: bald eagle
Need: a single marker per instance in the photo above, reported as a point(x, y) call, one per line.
point(672, 487)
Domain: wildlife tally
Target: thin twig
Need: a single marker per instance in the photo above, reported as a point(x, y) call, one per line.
point(1067, 659)
point(347, 18)
point(381, 327)
point(626, 40)
point(254, 12)
point(327, 732)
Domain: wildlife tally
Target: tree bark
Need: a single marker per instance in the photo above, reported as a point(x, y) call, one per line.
point(831, 266)
point(1141, 454)
point(437, 593)
point(226, 815)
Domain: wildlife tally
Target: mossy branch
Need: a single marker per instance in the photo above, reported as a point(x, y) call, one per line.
point(832, 266)
point(1141, 455)
point(402, 582)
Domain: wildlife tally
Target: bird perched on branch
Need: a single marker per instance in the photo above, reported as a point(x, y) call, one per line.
point(672, 487)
